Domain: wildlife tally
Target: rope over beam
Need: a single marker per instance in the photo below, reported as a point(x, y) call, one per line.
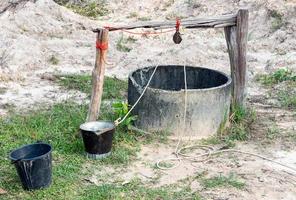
point(210, 22)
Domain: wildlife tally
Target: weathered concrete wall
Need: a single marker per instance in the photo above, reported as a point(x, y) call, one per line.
point(162, 106)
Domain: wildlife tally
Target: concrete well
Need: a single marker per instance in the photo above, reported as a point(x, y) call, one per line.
point(162, 106)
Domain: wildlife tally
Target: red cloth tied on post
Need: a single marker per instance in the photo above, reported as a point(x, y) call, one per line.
point(102, 46)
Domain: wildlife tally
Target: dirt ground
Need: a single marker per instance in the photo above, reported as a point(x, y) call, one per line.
point(33, 32)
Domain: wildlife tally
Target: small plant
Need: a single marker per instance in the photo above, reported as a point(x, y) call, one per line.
point(53, 60)
point(278, 76)
point(131, 39)
point(192, 3)
point(169, 3)
point(91, 9)
point(287, 98)
point(122, 45)
point(132, 15)
point(277, 20)
point(272, 132)
point(286, 94)
point(144, 18)
point(223, 181)
point(121, 109)
point(241, 120)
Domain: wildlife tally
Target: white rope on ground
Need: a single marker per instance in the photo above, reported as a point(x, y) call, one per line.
point(209, 149)
point(119, 120)
point(177, 151)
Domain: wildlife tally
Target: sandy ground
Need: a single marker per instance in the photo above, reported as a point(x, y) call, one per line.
point(33, 32)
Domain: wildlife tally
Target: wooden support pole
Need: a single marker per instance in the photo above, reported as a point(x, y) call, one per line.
point(98, 75)
point(236, 38)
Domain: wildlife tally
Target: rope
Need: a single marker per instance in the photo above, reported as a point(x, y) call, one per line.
point(119, 120)
point(148, 32)
point(177, 150)
point(178, 24)
point(102, 45)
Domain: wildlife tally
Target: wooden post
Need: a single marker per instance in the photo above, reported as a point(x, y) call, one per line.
point(98, 75)
point(236, 38)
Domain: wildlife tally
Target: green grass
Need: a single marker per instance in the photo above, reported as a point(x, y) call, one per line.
point(223, 181)
point(272, 132)
point(239, 130)
point(90, 9)
point(58, 126)
point(113, 87)
point(277, 76)
point(136, 190)
point(287, 98)
point(241, 121)
point(286, 93)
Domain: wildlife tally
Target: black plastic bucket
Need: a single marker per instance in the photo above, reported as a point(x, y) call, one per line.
point(97, 138)
point(33, 165)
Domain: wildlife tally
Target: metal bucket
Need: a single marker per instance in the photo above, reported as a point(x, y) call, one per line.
point(97, 138)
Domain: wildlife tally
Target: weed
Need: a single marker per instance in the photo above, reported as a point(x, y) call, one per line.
point(132, 15)
point(276, 20)
point(169, 3)
point(241, 120)
point(113, 87)
point(121, 45)
point(131, 39)
point(285, 94)
point(53, 60)
point(223, 181)
point(287, 98)
point(272, 132)
point(193, 3)
point(121, 109)
point(213, 140)
point(276, 77)
point(89, 9)
point(3, 90)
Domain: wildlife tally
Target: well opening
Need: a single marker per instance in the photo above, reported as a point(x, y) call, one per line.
point(171, 77)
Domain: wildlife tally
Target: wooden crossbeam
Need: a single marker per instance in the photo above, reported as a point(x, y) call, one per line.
point(210, 22)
